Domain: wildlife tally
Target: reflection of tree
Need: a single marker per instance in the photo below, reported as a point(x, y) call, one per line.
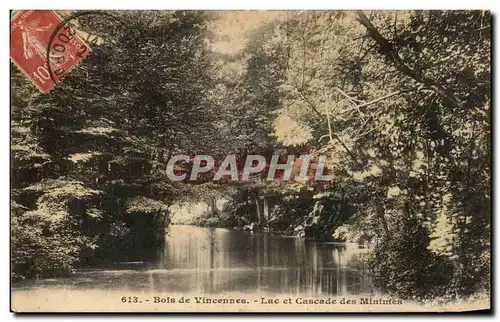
point(211, 241)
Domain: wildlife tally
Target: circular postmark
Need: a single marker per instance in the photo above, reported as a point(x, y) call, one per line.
point(76, 35)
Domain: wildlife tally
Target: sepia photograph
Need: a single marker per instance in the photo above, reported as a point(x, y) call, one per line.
point(250, 161)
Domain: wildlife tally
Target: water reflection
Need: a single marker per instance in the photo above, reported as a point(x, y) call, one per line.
point(220, 260)
point(210, 260)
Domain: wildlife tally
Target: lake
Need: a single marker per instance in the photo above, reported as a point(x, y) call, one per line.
point(219, 261)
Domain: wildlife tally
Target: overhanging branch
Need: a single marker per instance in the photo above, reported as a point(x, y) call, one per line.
point(392, 55)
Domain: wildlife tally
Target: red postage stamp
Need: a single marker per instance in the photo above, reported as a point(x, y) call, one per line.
point(32, 42)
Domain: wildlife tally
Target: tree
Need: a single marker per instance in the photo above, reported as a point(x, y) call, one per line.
point(89, 158)
point(407, 130)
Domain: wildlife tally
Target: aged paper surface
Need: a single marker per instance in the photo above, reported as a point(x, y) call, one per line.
point(250, 161)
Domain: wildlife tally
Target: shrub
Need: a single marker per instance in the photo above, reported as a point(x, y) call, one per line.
point(403, 265)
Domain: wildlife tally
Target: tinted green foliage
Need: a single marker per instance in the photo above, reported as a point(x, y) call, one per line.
point(89, 179)
point(399, 102)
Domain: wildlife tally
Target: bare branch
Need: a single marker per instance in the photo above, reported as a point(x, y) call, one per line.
point(482, 28)
point(313, 107)
point(378, 99)
point(322, 137)
point(352, 99)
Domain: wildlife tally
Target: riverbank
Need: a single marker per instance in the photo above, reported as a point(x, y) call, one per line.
point(309, 227)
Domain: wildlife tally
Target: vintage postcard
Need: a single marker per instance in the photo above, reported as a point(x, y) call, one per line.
point(250, 161)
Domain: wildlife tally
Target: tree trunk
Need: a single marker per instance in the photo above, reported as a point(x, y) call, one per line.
point(258, 210)
point(266, 210)
point(246, 203)
point(462, 223)
point(213, 205)
point(381, 215)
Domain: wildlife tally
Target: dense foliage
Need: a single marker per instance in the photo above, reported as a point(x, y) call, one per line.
point(398, 101)
point(401, 103)
point(88, 180)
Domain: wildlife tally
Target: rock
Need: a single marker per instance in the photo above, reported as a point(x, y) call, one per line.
point(298, 228)
point(253, 227)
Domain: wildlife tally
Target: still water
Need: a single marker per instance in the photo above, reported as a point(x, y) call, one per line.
point(216, 260)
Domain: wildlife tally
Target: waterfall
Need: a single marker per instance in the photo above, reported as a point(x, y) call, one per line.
point(258, 209)
point(266, 210)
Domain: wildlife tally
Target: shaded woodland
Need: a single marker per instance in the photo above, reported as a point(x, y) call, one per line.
point(398, 101)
